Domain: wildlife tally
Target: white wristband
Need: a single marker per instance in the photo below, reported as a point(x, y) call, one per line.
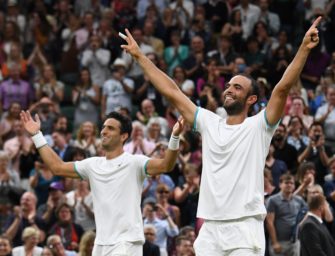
point(39, 140)
point(174, 142)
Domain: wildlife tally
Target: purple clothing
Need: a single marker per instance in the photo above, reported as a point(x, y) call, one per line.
point(19, 91)
point(220, 84)
point(316, 64)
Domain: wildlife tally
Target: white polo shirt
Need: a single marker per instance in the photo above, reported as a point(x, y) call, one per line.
point(116, 187)
point(232, 184)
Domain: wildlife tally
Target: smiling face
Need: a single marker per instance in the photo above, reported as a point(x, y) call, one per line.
point(111, 136)
point(237, 95)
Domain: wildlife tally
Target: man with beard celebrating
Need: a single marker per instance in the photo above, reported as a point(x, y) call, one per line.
point(234, 150)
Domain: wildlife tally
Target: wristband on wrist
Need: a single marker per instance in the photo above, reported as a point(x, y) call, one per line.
point(39, 140)
point(174, 142)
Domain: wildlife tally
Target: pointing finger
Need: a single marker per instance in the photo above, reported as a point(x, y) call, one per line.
point(316, 22)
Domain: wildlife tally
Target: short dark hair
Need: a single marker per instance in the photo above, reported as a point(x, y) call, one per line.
point(316, 201)
point(179, 239)
point(286, 177)
point(315, 123)
point(126, 125)
point(254, 86)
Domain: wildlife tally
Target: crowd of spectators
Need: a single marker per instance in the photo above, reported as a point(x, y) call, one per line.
point(62, 60)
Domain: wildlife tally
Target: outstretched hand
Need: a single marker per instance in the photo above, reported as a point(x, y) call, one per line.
point(31, 126)
point(131, 47)
point(311, 38)
point(178, 126)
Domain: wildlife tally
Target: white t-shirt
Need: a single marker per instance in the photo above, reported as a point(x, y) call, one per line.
point(232, 184)
point(116, 187)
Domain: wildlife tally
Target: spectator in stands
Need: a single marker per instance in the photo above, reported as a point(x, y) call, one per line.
point(254, 58)
point(96, 59)
point(316, 151)
point(184, 247)
point(8, 177)
point(36, 61)
point(282, 211)
point(165, 227)
point(233, 30)
point(149, 38)
point(149, 246)
point(47, 211)
point(326, 115)
point(15, 90)
point(271, 19)
point(184, 10)
point(261, 33)
point(163, 194)
point(277, 167)
point(24, 216)
point(40, 180)
point(306, 178)
point(329, 185)
point(61, 145)
point(11, 35)
point(186, 194)
point(69, 232)
point(86, 243)
point(5, 246)
point(278, 63)
point(46, 251)
point(117, 91)
point(86, 98)
point(87, 138)
point(298, 108)
point(186, 85)
point(80, 199)
point(296, 134)
point(15, 57)
point(54, 243)
point(155, 133)
point(30, 238)
point(7, 121)
point(283, 150)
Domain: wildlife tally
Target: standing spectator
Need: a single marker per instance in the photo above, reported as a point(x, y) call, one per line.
point(165, 227)
point(15, 90)
point(313, 234)
point(24, 216)
point(296, 134)
point(15, 57)
point(150, 39)
point(81, 201)
point(329, 185)
point(8, 178)
point(86, 98)
point(186, 85)
point(30, 238)
point(316, 151)
point(96, 59)
point(62, 146)
point(326, 115)
point(69, 232)
point(184, 246)
point(7, 121)
point(117, 91)
point(282, 211)
point(184, 10)
point(271, 19)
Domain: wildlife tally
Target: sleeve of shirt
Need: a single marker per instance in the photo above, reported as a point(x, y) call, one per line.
point(142, 162)
point(270, 206)
point(202, 118)
point(83, 167)
point(319, 112)
point(172, 232)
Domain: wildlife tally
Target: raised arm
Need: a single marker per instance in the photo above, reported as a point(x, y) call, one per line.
point(50, 158)
point(164, 84)
point(157, 166)
point(275, 107)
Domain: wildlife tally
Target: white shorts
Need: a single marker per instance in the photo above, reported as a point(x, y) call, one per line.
point(240, 237)
point(119, 249)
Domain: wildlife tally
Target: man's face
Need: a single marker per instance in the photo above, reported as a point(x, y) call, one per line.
point(263, 4)
point(185, 248)
point(149, 235)
point(331, 96)
point(111, 134)
point(287, 186)
point(27, 201)
point(236, 94)
point(315, 132)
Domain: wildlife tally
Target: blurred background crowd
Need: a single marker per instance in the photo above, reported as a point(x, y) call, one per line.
point(62, 59)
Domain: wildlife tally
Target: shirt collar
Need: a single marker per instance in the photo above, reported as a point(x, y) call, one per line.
point(315, 216)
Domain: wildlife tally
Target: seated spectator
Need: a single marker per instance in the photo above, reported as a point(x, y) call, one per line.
point(69, 232)
point(8, 177)
point(5, 246)
point(86, 243)
point(87, 138)
point(298, 108)
point(7, 121)
point(186, 85)
point(306, 178)
point(149, 246)
point(24, 216)
point(162, 196)
point(61, 145)
point(165, 227)
point(46, 251)
point(277, 167)
point(40, 179)
point(329, 185)
point(54, 243)
point(86, 98)
point(81, 201)
point(155, 133)
point(138, 143)
point(30, 238)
